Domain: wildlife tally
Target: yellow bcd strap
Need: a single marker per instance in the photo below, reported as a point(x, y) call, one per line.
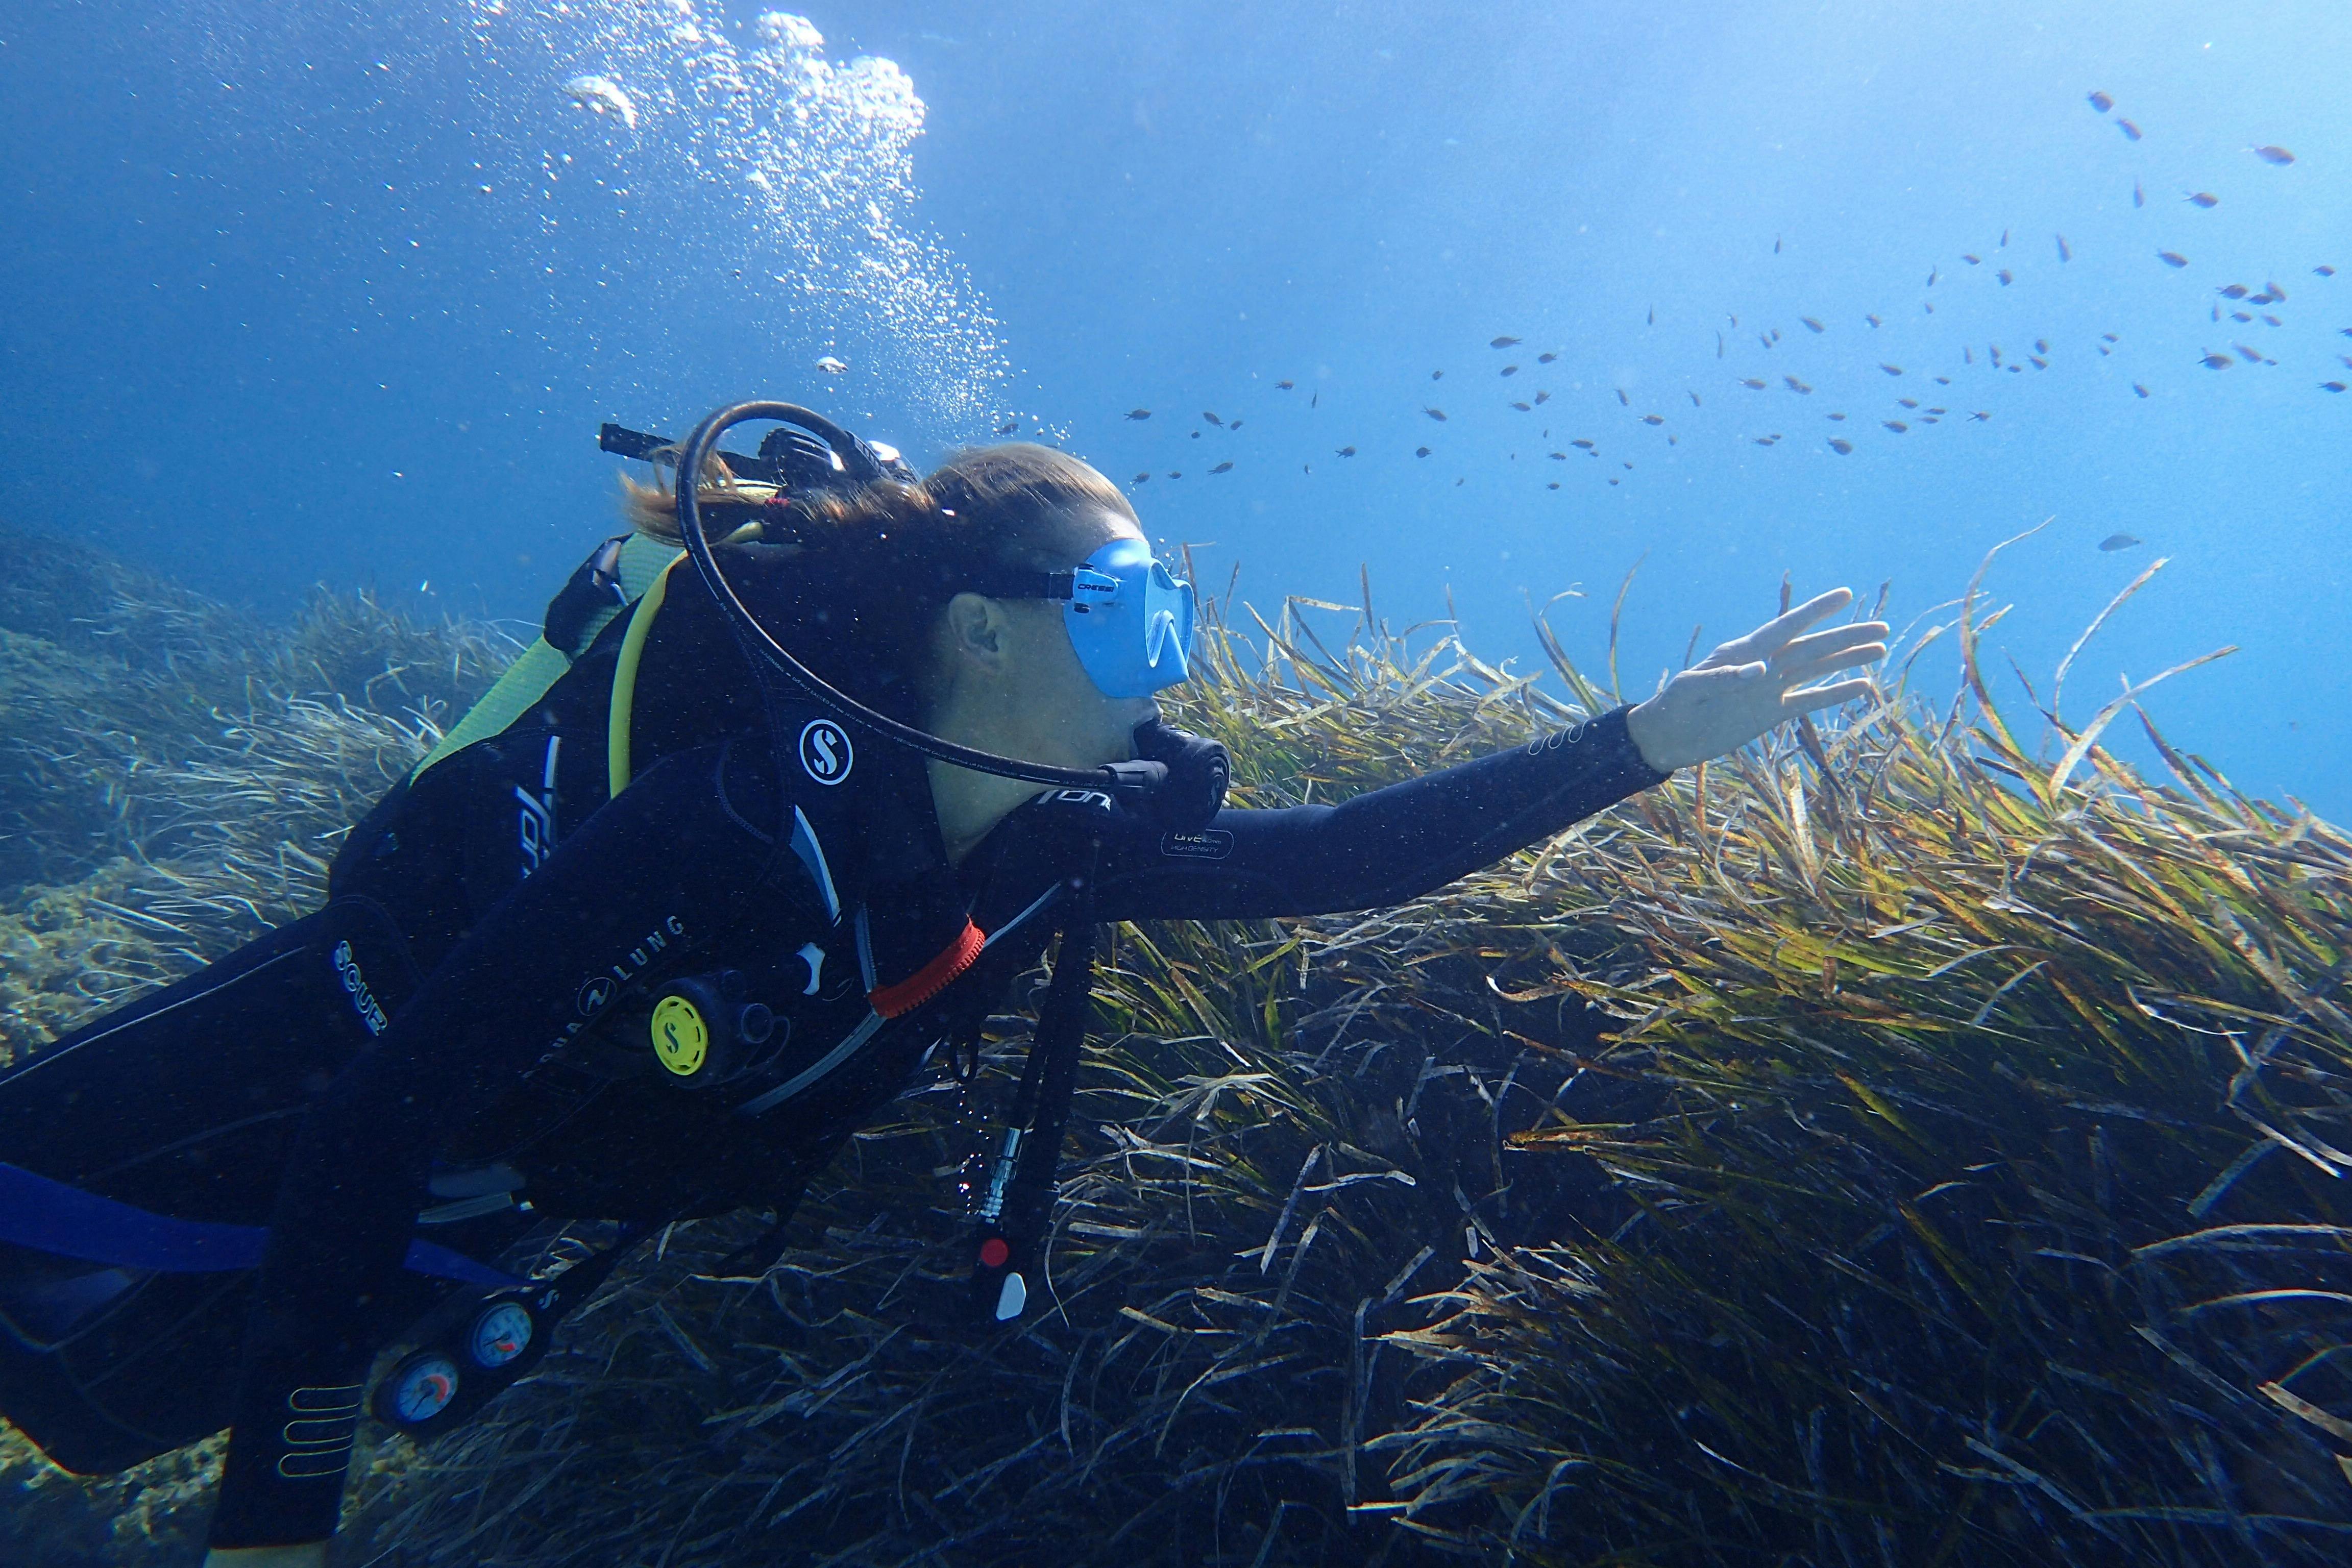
point(625, 681)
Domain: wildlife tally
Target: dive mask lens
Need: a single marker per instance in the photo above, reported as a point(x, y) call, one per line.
point(1131, 621)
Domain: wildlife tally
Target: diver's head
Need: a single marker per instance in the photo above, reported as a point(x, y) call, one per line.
point(933, 601)
point(1050, 681)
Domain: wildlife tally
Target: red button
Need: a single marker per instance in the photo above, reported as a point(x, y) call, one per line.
point(993, 1252)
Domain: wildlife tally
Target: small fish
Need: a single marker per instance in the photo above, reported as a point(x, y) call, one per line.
point(2274, 292)
point(1196, 435)
point(1543, 397)
point(1437, 375)
point(1420, 451)
point(2324, 271)
point(2251, 356)
point(1586, 445)
point(2004, 277)
point(2331, 386)
point(2275, 156)
point(1436, 414)
point(2004, 239)
point(1838, 416)
point(1138, 413)
point(1718, 345)
point(1546, 357)
point(1175, 473)
point(2235, 315)
point(1933, 273)
point(1212, 418)
point(1891, 369)
point(2235, 291)
point(2274, 321)
point(1967, 354)
point(2216, 361)
point(1232, 424)
point(1144, 478)
point(1314, 397)
point(2038, 362)
point(2139, 197)
point(1553, 486)
point(1981, 417)
point(1224, 467)
point(2101, 101)
point(2172, 258)
point(1816, 326)
point(1623, 400)
point(1894, 425)
point(1751, 383)
point(1972, 261)
point(1557, 457)
point(2110, 337)
point(2064, 254)
point(1653, 419)
point(1996, 352)
point(1654, 316)
point(1775, 245)
point(2114, 542)
point(1284, 385)
point(1694, 402)
point(1943, 381)
point(1009, 426)
point(1766, 440)
point(1503, 343)
point(1797, 386)
point(1509, 370)
point(1872, 320)
point(1764, 341)
point(830, 365)
point(1347, 451)
point(1522, 407)
point(2202, 199)
point(1908, 402)
point(1841, 448)
point(2131, 132)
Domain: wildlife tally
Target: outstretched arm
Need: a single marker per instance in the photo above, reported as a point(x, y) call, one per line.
point(1390, 845)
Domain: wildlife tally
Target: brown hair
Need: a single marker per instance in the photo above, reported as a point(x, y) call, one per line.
point(862, 577)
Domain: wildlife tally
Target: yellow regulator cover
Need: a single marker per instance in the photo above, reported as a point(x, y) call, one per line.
point(681, 1039)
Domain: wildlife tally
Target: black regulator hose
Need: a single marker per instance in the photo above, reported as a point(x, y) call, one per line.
point(1119, 779)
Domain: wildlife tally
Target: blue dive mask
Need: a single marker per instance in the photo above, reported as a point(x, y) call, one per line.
point(1130, 619)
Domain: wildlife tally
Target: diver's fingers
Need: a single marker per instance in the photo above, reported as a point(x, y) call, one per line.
point(1813, 698)
point(1801, 671)
point(1774, 635)
point(1832, 640)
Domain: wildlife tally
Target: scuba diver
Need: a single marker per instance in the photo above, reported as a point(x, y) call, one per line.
point(803, 774)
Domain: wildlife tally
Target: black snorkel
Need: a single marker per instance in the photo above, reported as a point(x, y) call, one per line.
point(1120, 780)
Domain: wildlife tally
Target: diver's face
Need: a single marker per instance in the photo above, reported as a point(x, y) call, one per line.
point(1016, 676)
point(1094, 728)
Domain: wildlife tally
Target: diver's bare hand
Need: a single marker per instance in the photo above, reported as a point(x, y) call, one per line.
point(1745, 687)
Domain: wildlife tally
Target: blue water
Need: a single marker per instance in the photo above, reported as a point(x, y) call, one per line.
point(320, 292)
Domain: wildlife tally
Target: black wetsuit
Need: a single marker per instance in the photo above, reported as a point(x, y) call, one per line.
point(724, 850)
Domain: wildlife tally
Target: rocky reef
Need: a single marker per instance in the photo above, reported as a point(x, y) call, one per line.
point(1913, 1141)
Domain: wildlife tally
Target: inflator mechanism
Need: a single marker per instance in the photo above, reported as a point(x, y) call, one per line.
point(703, 1030)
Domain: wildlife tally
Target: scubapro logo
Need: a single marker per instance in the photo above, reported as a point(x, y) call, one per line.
point(594, 995)
point(825, 753)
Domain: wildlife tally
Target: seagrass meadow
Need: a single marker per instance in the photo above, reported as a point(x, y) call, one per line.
point(1914, 1141)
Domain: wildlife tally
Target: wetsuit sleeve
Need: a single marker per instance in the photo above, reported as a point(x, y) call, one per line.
point(676, 858)
point(1384, 847)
